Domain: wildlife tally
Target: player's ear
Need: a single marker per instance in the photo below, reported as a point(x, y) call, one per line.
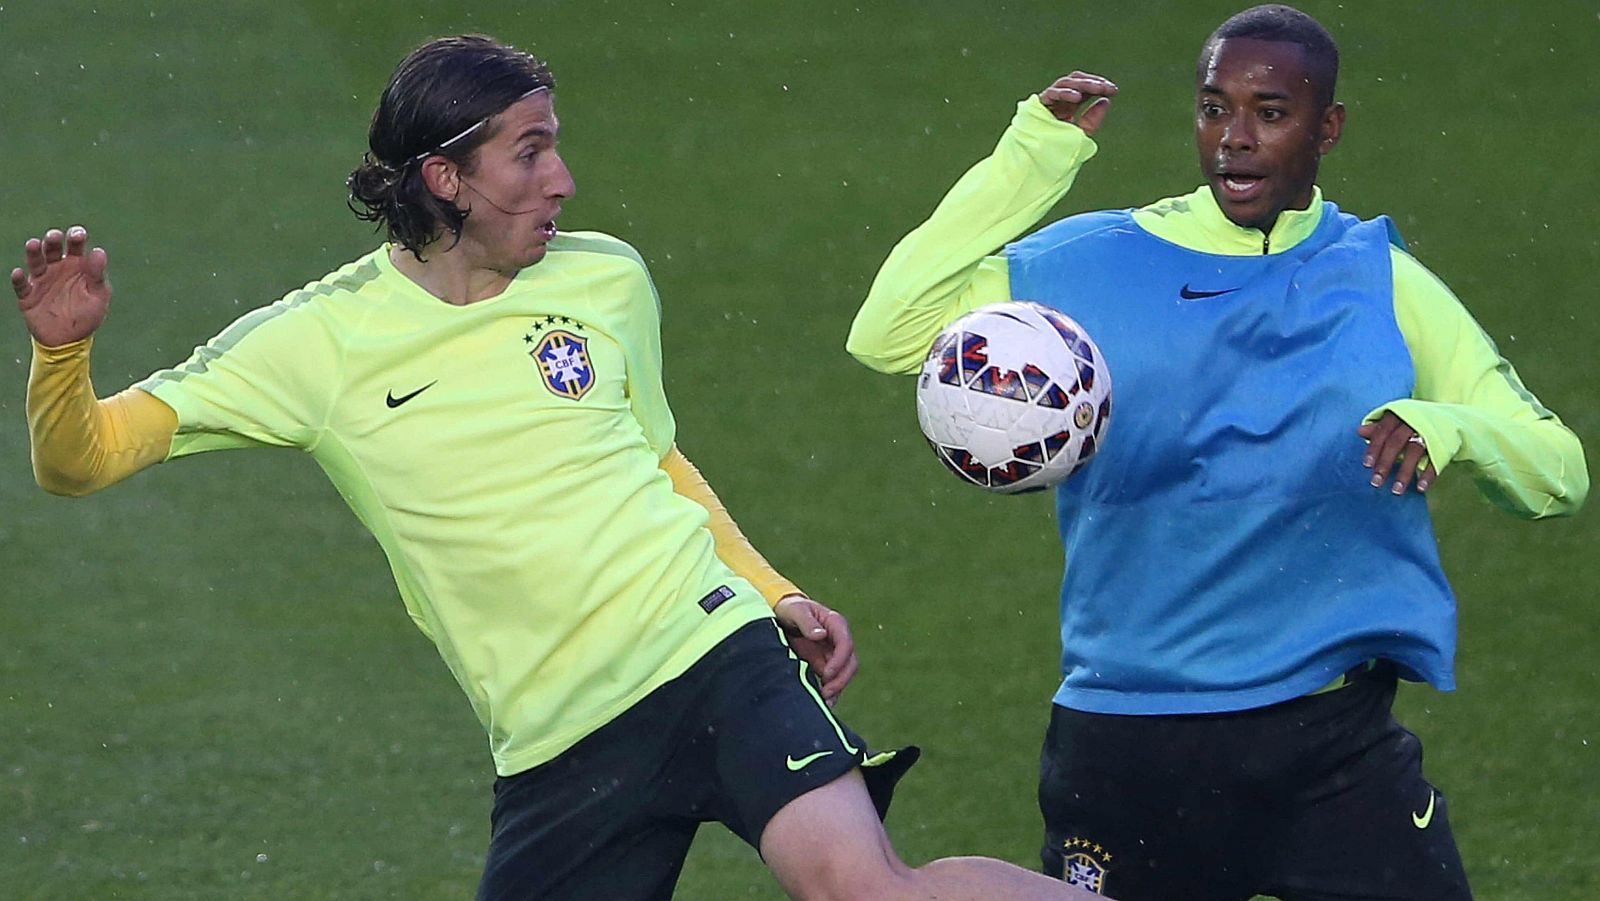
point(442, 176)
point(1331, 129)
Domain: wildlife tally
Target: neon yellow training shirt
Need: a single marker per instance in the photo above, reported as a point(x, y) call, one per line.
point(1468, 403)
point(507, 456)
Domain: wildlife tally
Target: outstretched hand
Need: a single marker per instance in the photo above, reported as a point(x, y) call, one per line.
point(822, 639)
point(1389, 442)
point(1081, 98)
point(62, 291)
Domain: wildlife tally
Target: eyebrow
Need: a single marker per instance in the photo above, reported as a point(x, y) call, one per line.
point(1259, 95)
point(536, 131)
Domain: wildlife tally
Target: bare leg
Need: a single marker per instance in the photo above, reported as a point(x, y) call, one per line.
point(828, 845)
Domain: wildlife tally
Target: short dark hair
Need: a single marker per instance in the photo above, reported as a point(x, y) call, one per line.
point(439, 100)
point(1277, 22)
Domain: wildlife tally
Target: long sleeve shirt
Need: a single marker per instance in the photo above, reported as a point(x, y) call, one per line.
point(1468, 404)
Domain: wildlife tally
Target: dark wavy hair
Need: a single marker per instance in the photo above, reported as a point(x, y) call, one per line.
point(439, 100)
point(1277, 22)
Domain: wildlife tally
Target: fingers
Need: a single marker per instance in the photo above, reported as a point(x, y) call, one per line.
point(1386, 452)
point(77, 237)
point(33, 257)
point(801, 616)
point(1076, 87)
point(1428, 475)
point(96, 265)
point(822, 638)
point(833, 688)
point(38, 254)
point(1080, 84)
point(1060, 92)
point(1375, 432)
point(1073, 97)
point(95, 262)
point(843, 651)
point(55, 245)
point(1392, 443)
point(1408, 467)
point(842, 664)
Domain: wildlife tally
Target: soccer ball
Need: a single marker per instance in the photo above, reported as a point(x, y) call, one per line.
point(1014, 397)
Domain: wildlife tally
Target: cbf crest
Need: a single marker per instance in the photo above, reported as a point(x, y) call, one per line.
point(1085, 864)
point(562, 356)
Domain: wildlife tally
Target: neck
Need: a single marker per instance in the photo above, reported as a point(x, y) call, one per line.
point(451, 275)
point(1264, 227)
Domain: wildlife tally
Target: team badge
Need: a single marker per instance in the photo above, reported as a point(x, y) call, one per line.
point(562, 357)
point(1085, 864)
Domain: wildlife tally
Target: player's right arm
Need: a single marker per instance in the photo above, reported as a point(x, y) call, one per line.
point(80, 444)
point(943, 268)
point(267, 380)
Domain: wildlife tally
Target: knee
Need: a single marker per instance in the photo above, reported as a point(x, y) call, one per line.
point(888, 880)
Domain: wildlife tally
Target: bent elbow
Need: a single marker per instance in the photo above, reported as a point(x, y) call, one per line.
point(1564, 498)
point(1571, 500)
point(63, 484)
point(867, 358)
point(872, 349)
point(1574, 483)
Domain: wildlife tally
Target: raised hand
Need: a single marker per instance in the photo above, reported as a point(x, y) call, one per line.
point(63, 292)
point(1081, 98)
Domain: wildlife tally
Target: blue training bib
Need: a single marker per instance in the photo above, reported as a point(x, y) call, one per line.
point(1225, 549)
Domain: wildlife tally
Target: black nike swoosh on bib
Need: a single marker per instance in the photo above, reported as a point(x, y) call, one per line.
point(1188, 293)
point(393, 401)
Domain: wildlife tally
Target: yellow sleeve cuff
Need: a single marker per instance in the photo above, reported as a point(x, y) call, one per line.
point(81, 444)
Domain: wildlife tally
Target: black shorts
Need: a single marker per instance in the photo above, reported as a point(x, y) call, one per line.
point(734, 739)
point(1317, 798)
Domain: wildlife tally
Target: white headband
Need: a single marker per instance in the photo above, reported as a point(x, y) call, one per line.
point(475, 126)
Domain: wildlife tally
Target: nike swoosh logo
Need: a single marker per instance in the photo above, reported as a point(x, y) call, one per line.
point(796, 766)
point(393, 401)
point(1188, 293)
point(1422, 820)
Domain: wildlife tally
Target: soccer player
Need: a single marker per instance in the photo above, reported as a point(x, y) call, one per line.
point(1251, 563)
point(486, 393)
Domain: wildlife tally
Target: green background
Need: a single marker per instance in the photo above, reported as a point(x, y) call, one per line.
point(207, 684)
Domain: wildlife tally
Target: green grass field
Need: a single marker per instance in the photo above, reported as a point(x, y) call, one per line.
point(208, 687)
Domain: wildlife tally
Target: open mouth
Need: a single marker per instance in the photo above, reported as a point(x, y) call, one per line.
point(1240, 187)
point(548, 229)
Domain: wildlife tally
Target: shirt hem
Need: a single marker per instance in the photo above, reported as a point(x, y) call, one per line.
point(679, 663)
point(1104, 700)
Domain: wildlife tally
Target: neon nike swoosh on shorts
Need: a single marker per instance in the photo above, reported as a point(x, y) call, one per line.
point(796, 766)
point(1422, 820)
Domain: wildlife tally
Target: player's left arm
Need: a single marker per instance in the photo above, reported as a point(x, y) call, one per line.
point(819, 634)
point(1469, 408)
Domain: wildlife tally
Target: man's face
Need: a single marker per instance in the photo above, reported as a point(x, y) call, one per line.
point(1260, 130)
point(517, 183)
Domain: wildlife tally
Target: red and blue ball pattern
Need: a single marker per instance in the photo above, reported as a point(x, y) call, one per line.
point(1043, 384)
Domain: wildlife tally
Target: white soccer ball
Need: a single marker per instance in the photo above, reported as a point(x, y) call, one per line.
point(1014, 397)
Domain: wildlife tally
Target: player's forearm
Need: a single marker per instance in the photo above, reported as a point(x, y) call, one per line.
point(1531, 466)
point(941, 269)
point(732, 547)
point(1472, 408)
point(81, 444)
